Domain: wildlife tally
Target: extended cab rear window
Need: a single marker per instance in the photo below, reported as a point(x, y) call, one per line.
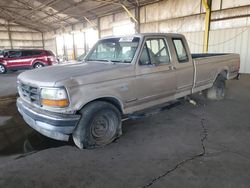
point(180, 49)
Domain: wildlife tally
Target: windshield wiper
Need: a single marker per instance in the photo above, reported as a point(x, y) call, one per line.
point(107, 60)
point(122, 61)
point(110, 61)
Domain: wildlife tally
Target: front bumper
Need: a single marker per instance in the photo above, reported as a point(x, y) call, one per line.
point(53, 125)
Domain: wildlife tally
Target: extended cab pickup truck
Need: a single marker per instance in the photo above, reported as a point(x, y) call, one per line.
point(119, 76)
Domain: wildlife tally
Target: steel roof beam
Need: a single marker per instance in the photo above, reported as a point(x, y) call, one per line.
point(48, 3)
point(62, 10)
point(40, 9)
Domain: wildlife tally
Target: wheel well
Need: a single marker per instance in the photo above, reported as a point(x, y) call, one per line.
point(3, 65)
point(111, 100)
point(37, 62)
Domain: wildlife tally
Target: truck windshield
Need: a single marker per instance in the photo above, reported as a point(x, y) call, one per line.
point(118, 50)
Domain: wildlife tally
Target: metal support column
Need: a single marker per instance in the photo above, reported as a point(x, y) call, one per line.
point(65, 51)
point(9, 34)
point(207, 6)
point(43, 40)
point(55, 43)
point(85, 44)
point(137, 16)
point(74, 45)
point(99, 28)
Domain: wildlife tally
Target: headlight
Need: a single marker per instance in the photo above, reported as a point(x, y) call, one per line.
point(54, 97)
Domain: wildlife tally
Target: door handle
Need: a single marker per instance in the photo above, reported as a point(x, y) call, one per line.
point(171, 67)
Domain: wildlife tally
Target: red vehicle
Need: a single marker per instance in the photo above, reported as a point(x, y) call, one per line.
point(25, 59)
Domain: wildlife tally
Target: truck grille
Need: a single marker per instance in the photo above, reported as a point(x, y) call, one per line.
point(30, 93)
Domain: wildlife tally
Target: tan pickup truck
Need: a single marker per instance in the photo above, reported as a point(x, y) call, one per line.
point(119, 76)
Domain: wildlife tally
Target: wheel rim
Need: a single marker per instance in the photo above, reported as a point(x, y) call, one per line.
point(103, 127)
point(38, 66)
point(2, 69)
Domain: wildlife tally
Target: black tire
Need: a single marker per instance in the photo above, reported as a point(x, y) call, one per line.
point(238, 76)
point(218, 90)
point(38, 65)
point(3, 69)
point(99, 125)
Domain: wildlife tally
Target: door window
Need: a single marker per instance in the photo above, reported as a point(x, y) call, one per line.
point(180, 51)
point(14, 54)
point(155, 51)
point(27, 53)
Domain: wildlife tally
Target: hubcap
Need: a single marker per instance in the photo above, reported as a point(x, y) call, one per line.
point(103, 127)
point(38, 66)
point(100, 127)
point(2, 69)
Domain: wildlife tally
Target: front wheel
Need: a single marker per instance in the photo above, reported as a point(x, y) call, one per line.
point(218, 90)
point(99, 125)
point(2, 69)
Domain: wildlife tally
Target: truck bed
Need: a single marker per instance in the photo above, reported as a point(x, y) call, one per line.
point(209, 65)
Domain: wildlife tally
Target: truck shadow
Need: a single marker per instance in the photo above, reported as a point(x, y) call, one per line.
point(16, 137)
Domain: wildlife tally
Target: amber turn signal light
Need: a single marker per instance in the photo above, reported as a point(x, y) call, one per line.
point(55, 103)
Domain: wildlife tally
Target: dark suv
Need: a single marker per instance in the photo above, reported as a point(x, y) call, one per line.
point(25, 59)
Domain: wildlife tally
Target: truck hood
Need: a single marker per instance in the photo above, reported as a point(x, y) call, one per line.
point(50, 76)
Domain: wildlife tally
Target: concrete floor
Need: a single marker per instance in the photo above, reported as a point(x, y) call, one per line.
point(8, 84)
point(207, 145)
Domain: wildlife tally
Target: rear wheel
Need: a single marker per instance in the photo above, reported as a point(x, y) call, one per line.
point(217, 91)
point(38, 65)
point(2, 69)
point(100, 125)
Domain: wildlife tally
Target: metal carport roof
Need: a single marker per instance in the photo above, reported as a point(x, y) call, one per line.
point(47, 15)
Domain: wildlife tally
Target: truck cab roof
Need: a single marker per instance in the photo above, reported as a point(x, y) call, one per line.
point(142, 35)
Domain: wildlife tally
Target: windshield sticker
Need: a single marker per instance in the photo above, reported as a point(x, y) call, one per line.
point(126, 39)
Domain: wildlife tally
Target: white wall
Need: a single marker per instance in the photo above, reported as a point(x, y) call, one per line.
point(235, 40)
point(22, 37)
point(49, 41)
point(187, 17)
point(116, 24)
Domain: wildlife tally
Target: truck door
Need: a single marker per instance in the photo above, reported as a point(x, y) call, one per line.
point(184, 66)
point(155, 73)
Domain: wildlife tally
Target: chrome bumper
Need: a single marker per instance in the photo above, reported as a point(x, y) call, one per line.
point(53, 125)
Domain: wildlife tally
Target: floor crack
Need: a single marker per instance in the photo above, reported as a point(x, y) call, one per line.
point(181, 163)
point(25, 155)
point(227, 149)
